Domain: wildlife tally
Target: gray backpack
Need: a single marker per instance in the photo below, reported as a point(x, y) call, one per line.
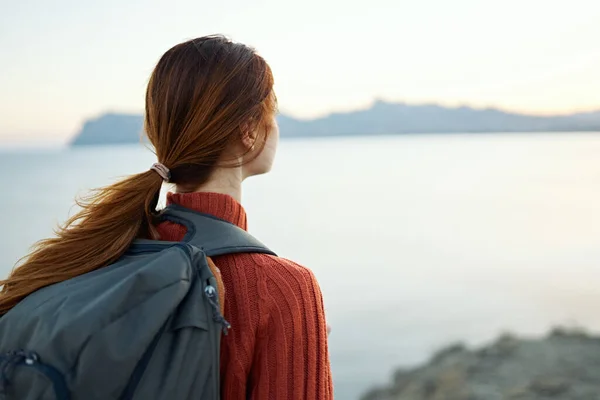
point(147, 327)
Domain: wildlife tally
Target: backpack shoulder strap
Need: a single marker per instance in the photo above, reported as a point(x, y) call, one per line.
point(212, 235)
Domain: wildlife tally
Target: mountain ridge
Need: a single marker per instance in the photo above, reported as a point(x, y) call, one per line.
point(379, 119)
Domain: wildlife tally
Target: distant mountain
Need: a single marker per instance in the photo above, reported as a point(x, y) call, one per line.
point(380, 119)
point(111, 129)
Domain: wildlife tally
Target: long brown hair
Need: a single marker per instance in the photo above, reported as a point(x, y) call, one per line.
point(201, 95)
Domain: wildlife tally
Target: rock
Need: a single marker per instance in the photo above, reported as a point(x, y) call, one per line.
point(552, 386)
point(564, 365)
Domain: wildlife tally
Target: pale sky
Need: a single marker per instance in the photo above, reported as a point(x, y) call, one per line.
point(63, 61)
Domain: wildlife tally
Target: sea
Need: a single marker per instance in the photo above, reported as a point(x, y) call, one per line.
point(417, 241)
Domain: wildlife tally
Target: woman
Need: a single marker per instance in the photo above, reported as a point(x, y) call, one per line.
point(210, 116)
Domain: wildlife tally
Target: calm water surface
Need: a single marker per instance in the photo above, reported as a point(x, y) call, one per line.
point(417, 241)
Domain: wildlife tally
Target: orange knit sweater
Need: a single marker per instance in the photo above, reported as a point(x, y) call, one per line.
point(277, 347)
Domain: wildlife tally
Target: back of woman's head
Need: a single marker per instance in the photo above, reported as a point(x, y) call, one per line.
point(203, 97)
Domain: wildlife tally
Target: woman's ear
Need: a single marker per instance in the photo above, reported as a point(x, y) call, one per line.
point(248, 136)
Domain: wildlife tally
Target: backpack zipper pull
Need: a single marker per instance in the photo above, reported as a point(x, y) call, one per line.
point(11, 359)
point(31, 358)
point(211, 294)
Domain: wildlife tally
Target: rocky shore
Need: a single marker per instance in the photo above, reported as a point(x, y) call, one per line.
point(563, 365)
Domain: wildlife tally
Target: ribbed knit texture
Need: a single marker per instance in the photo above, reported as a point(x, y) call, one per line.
point(277, 347)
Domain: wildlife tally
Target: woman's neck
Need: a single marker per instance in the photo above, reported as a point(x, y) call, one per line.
point(223, 180)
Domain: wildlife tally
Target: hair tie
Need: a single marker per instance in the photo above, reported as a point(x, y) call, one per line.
point(161, 170)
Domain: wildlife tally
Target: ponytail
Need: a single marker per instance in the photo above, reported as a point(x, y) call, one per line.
point(98, 235)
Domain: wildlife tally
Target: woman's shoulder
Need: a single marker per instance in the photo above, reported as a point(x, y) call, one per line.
point(283, 279)
point(276, 266)
point(272, 277)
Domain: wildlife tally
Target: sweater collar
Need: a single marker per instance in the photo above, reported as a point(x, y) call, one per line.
point(218, 205)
